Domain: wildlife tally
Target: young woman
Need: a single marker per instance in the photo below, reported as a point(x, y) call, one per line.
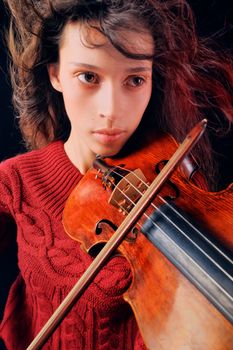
point(87, 76)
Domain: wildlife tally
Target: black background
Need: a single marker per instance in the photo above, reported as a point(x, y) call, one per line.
point(214, 17)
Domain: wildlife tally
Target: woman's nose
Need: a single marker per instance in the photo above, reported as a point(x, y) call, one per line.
point(110, 103)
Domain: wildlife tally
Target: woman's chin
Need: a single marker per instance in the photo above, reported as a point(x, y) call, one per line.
point(108, 151)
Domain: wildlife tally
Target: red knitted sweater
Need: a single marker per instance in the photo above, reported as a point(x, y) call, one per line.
point(33, 190)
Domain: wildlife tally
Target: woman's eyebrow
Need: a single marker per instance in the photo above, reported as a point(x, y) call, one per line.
point(130, 70)
point(84, 65)
point(139, 69)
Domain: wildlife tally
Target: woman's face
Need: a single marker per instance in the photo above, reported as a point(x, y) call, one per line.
point(105, 94)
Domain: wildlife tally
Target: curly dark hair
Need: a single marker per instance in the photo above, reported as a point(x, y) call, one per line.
point(191, 80)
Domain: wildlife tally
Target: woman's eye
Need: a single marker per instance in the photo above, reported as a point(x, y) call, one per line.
point(88, 78)
point(135, 81)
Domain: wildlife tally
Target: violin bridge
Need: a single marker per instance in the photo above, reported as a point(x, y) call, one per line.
point(128, 191)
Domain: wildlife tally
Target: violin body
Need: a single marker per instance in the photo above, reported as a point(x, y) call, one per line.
point(171, 312)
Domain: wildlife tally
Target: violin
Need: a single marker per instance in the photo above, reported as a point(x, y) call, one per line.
point(177, 238)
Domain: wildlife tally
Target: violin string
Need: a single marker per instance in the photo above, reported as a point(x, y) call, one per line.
point(172, 223)
point(179, 214)
point(183, 218)
point(195, 229)
point(182, 232)
point(193, 261)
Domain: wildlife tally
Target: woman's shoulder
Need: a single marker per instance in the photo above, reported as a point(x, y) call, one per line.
point(33, 167)
point(32, 159)
point(46, 166)
point(36, 174)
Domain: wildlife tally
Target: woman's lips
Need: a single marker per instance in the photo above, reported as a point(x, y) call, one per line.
point(108, 135)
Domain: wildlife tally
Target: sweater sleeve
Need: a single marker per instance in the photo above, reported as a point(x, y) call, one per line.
point(7, 224)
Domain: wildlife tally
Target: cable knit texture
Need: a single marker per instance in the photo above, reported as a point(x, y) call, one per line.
point(33, 191)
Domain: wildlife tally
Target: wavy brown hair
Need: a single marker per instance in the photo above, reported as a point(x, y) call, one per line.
point(191, 80)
